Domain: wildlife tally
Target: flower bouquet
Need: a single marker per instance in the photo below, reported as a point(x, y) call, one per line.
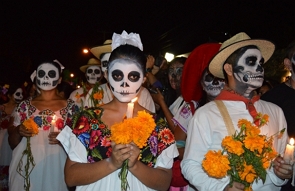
point(245, 156)
point(136, 130)
point(33, 127)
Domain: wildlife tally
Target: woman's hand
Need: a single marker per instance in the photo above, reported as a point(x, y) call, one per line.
point(158, 97)
point(134, 153)
point(120, 152)
point(282, 169)
point(22, 131)
point(52, 138)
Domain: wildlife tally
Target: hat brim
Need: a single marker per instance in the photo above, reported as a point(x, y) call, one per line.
point(216, 64)
point(83, 68)
point(97, 51)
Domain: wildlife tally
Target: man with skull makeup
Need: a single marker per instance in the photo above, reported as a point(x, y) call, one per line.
point(239, 61)
point(103, 52)
point(15, 96)
point(283, 95)
point(147, 170)
point(93, 74)
point(50, 112)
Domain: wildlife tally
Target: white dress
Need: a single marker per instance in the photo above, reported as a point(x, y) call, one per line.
point(76, 145)
point(48, 174)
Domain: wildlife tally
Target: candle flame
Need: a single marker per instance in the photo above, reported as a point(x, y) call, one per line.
point(291, 141)
point(134, 100)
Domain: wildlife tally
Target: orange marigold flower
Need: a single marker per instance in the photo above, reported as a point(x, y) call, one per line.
point(254, 143)
point(232, 146)
point(97, 96)
point(31, 126)
point(136, 130)
point(252, 131)
point(244, 122)
point(248, 174)
point(215, 164)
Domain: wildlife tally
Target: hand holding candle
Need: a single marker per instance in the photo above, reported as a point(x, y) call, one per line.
point(130, 108)
point(289, 152)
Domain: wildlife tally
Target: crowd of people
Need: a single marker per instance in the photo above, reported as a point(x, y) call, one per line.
point(189, 104)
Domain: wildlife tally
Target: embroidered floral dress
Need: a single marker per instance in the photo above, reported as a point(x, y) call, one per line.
point(5, 151)
point(48, 174)
point(89, 141)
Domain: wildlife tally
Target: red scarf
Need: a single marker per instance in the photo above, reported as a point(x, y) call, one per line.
point(231, 95)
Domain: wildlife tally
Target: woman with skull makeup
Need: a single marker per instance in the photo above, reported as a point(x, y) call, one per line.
point(238, 61)
point(95, 165)
point(15, 96)
point(50, 112)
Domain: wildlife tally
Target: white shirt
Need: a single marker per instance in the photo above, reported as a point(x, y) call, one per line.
point(207, 129)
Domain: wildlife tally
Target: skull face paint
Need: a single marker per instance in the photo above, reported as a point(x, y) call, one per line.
point(125, 79)
point(211, 84)
point(104, 61)
point(248, 70)
point(174, 75)
point(93, 74)
point(18, 95)
point(47, 76)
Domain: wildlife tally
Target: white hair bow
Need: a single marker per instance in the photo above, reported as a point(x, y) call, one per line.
point(125, 38)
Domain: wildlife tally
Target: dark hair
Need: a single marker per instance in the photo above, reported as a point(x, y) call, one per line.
point(181, 60)
point(129, 52)
point(235, 56)
point(66, 88)
point(12, 88)
point(52, 63)
point(290, 50)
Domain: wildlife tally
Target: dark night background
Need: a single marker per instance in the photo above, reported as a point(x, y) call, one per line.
point(33, 31)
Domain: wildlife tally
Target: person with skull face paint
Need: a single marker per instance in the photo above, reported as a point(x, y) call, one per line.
point(103, 52)
point(50, 112)
point(93, 76)
point(239, 61)
point(87, 171)
point(15, 96)
point(283, 95)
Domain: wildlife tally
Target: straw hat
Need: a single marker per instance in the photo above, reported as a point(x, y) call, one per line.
point(234, 43)
point(105, 48)
point(91, 62)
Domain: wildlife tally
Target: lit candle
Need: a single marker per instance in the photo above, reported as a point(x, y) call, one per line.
point(130, 108)
point(53, 126)
point(289, 152)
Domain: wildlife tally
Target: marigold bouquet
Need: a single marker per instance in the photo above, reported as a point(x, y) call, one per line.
point(245, 156)
point(136, 130)
point(33, 127)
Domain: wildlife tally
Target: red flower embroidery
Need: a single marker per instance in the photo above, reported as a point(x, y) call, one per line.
point(59, 123)
point(94, 139)
point(106, 141)
point(102, 126)
point(46, 127)
point(109, 152)
point(81, 126)
point(166, 136)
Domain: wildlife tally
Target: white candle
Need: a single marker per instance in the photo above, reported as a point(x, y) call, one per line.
point(289, 152)
point(130, 108)
point(53, 126)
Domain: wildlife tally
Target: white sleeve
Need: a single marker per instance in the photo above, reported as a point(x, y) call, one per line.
point(145, 100)
point(197, 144)
point(73, 147)
point(166, 158)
